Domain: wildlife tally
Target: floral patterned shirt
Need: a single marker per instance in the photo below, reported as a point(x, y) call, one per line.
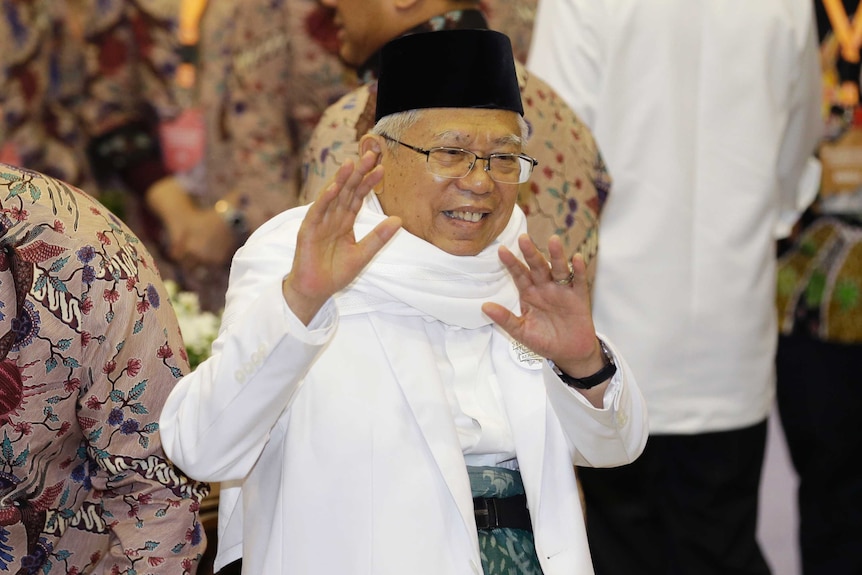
point(89, 351)
point(569, 185)
point(75, 69)
point(266, 74)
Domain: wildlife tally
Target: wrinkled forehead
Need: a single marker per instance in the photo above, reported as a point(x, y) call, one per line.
point(463, 126)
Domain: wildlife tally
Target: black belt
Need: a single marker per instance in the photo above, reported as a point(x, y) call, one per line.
point(493, 513)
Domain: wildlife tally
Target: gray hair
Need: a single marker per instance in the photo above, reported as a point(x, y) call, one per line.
point(394, 126)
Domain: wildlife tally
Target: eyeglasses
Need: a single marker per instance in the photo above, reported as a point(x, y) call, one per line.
point(458, 162)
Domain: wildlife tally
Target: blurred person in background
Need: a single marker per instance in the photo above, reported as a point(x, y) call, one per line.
point(820, 317)
point(708, 113)
point(255, 78)
point(515, 19)
point(84, 86)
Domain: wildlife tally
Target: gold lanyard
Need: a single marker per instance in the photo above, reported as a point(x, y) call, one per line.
point(189, 34)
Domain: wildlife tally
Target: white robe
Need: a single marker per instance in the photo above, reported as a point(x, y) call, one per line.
point(337, 440)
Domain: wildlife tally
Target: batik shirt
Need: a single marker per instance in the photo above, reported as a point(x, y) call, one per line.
point(265, 78)
point(89, 350)
point(568, 187)
point(75, 69)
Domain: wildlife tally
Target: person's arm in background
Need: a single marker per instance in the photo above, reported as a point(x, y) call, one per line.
point(255, 158)
point(566, 52)
point(283, 78)
point(798, 170)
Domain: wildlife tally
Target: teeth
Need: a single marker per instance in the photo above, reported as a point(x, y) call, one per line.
point(466, 216)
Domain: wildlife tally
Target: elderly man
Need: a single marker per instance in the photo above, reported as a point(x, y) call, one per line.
point(564, 197)
point(403, 382)
point(89, 349)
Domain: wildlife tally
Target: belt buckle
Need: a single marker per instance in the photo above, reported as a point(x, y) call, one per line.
point(485, 512)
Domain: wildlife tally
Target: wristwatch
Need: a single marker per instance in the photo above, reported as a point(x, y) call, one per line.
point(606, 372)
point(233, 217)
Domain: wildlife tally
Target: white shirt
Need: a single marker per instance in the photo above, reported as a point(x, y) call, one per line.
point(706, 113)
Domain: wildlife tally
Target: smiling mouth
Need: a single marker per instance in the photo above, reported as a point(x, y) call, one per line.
point(465, 216)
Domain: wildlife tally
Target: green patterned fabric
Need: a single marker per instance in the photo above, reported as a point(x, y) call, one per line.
point(820, 282)
point(504, 551)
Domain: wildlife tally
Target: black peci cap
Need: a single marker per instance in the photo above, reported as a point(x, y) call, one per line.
point(448, 69)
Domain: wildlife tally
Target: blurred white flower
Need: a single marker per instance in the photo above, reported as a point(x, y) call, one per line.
point(199, 328)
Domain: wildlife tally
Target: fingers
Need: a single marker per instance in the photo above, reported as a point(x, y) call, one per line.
point(347, 190)
point(374, 241)
point(561, 270)
point(365, 175)
point(519, 272)
point(501, 316)
point(579, 272)
point(538, 270)
point(367, 184)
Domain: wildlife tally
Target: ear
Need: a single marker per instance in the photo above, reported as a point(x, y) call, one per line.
point(371, 142)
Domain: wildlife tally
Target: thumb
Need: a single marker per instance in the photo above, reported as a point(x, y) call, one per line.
point(508, 321)
point(374, 241)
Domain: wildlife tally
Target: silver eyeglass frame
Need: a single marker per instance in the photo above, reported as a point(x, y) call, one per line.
point(427, 153)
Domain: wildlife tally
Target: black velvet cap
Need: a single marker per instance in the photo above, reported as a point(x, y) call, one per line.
point(448, 69)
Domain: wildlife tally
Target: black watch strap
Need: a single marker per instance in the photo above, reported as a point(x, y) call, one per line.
point(606, 372)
